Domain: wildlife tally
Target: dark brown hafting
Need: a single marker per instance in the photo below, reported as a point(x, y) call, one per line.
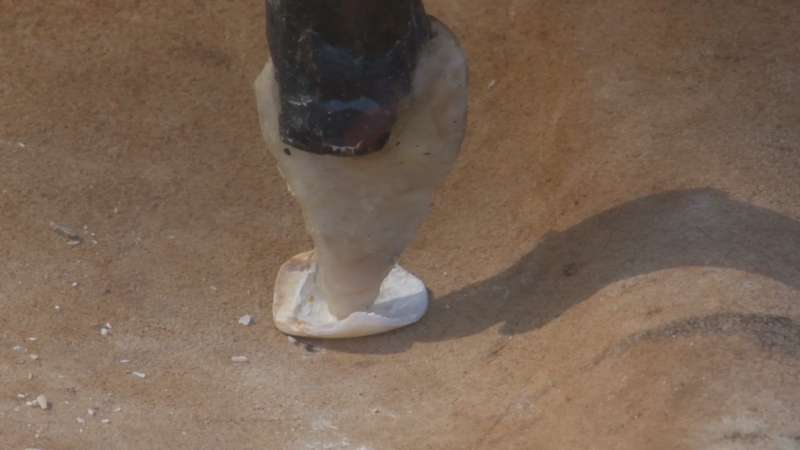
point(342, 66)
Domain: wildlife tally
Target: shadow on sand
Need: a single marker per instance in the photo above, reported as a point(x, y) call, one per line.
point(682, 228)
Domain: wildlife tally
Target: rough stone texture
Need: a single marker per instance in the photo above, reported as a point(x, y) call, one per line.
point(632, 174)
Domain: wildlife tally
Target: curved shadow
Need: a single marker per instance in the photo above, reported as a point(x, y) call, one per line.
point(682, 228)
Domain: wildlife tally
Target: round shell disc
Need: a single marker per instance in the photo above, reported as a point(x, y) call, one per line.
point(402, 300)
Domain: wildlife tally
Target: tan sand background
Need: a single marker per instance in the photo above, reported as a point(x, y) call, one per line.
point(615, 259)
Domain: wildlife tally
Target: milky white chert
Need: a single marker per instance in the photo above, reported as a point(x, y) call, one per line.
point(363, 211)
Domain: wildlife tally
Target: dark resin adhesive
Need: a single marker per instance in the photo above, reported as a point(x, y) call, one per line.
point(342, 67)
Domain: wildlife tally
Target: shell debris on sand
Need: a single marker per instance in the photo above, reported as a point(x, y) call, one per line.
point(239, 359)
point(105, 421)
point(139, 374)
point(64, 230)
point(245, 319)
point(42, 401)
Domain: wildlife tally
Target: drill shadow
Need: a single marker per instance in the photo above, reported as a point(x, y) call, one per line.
point(682, 228)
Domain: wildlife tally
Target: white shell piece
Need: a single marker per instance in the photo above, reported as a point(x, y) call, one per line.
point(402, 301)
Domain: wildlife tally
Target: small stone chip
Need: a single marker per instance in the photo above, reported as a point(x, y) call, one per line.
point(292, 339)
point(139, 374)
point(104, 331)
point(118, 409)
point(64, 230)
point(42, 401)
point(239, 359)
point(124, 361)
point(80, 420)
point(245, 320)
point(22, 395)
point(34, 356)
point(91, 411)
point(105, 421)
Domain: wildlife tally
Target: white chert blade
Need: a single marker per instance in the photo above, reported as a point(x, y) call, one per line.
point(363, 211)
point(402, 301)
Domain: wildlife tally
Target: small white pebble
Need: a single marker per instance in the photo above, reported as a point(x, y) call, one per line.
point(42, 401)
point(30, 376)
point(80, 420)
point(34, 356)
point(58, 307)
point(139, 374)
point(214, 288)
point(118, 409)
point(105, 421)
point(492, 83)
point(292, 339)
point(17, 348)
point(108, 325)
point(74, 284)
point(245, 320)
point(32, 338)
point(91, 411)
point(32, 403)
point(22, 395)
point(124, 361)
point(104, 331)
point(239, 359)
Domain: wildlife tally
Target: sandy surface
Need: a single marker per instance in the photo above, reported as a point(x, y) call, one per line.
point(615, 259)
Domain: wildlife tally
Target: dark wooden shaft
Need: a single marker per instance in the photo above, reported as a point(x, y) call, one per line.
point(342, 66)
